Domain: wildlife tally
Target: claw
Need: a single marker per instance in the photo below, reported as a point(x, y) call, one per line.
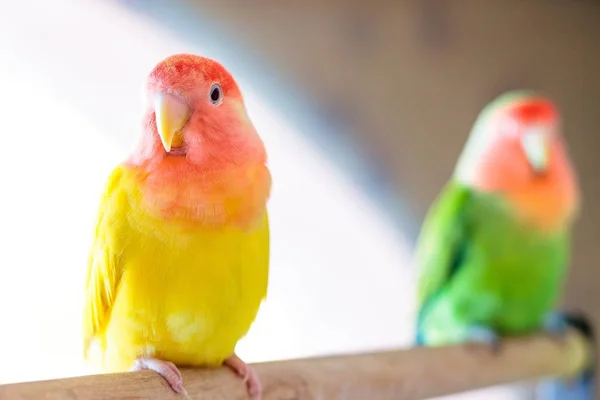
point(166, 369)
point(248, 376)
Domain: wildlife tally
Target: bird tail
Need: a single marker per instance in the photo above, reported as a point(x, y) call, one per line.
point(582, 387)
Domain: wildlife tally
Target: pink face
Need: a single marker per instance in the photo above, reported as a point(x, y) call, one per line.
point(192, 102)
point(526, 161)
point(528, 134)
point(195, 123)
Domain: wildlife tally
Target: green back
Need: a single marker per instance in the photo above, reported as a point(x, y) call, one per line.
point(474, 254)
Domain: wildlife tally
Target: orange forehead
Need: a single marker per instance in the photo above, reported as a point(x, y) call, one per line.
point(184, 72)
point(535, 110)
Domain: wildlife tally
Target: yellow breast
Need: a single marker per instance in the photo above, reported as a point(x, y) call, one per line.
point(186, 295)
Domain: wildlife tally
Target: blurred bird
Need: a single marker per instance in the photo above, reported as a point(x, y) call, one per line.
point(179, 263)
point(494, 250)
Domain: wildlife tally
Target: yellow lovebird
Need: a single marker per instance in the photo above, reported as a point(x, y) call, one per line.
point(179, 263)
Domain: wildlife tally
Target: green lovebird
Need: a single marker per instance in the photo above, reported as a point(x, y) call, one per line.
point(494, 250)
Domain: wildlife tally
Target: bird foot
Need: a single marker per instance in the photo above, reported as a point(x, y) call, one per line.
point(484, 335)
point(249, 377)
point(166, 369)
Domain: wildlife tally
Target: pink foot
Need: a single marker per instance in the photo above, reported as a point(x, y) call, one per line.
point(250, 378)
point(166, 369)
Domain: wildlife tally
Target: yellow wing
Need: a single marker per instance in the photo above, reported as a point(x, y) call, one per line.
point(104, 270)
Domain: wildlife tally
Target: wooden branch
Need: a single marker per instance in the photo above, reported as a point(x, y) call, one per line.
point(410, 374)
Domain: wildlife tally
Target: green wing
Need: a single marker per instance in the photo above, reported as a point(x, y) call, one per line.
point(442, 241)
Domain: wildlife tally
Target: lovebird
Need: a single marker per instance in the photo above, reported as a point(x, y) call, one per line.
point(179, 261)
point(494, 249)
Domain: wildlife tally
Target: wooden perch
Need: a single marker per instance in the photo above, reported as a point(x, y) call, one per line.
point(410, 374)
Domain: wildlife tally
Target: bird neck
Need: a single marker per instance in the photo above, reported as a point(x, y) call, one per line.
point(204, 195)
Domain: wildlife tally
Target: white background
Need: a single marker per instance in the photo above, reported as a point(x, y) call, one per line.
point(70, 83)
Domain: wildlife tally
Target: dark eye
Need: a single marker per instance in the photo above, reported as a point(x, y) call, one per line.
point(215, 93)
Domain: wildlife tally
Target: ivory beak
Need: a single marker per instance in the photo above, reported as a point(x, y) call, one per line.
point(536, 147)
point(172, 113)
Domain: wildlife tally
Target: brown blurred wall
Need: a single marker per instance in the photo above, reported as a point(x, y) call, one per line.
point(410, 77)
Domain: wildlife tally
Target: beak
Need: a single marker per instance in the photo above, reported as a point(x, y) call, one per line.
point(536, 146)
point(172, 113)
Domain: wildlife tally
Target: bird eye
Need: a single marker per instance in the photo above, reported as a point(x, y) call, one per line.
point(215, 94)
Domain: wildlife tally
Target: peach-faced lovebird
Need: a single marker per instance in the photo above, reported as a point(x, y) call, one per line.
point(179, 262)
point(494, 249)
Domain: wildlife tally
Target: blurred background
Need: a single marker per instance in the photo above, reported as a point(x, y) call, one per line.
point(363, 106)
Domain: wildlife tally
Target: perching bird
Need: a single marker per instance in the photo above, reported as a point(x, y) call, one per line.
point(494, 249)
point(179, 262)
